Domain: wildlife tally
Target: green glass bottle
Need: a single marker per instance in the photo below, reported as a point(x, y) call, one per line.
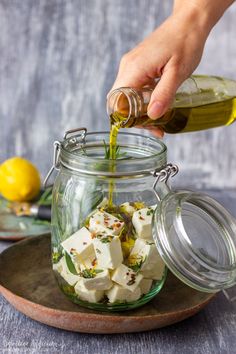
point(201, 102)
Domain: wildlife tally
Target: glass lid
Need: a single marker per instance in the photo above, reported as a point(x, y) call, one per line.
point(196, 238)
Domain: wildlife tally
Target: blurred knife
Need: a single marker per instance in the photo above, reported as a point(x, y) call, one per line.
point(42, 212)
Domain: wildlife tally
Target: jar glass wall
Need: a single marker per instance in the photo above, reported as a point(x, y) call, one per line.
point(104, 256)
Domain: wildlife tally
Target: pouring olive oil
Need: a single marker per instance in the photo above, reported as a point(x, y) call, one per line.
point(201, 102)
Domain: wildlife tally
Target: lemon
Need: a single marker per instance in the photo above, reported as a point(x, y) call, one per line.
point(19, 180)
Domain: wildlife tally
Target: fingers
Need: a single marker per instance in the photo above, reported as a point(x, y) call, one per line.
point(132, 72)
point(164, 93)
point(155, 131)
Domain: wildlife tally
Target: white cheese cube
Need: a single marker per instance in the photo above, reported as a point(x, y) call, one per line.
point(145, 252)
point(126, 277)
point(101, 281)
point(102, 222)
point(57, 266)
point(142, 221)
point(70, 278)
point(79, 246)
point(145, 285)
point(153, 259)
point(103, 203)
point(88, 263)
point(61, 267)
point(156, 272)
point(108, 251)
point(127, 208)
point(119, 294)
point(88, 295)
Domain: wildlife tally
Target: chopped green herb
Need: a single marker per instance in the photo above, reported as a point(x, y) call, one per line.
point(135, 262)
point(56, 257)
point(136, 267)
point(149, 212)
point(90, 273)
point(106, 239)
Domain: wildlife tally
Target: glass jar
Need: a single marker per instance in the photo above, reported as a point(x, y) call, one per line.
point(115, 259)
point(201, 102)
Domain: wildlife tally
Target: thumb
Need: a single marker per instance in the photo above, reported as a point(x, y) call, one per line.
point(163, 94)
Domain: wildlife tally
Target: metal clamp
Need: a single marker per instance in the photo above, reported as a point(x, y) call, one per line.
point(170, 170)
point(57, 149)
point(163, 175)
point(56, 162)
point(73, 132)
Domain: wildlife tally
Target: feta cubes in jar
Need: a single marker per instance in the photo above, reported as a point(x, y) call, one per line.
point(104, 256)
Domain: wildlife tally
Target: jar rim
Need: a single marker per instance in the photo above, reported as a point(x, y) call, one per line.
point(155, 157)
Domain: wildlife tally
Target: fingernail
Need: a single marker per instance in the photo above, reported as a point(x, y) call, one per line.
point(155, 110)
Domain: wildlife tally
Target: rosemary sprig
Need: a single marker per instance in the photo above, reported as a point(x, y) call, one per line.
point(46, 197)
point(70, 264)
point(118, 153)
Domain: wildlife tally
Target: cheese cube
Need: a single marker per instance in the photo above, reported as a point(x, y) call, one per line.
point(145, 252)
point(88, 263)
point(119, 294)
point(156, 272)
point(108, 251)
point(127, 208)
point(126, 277)
point(145, 285)
point(142, 221)
point(62, 269)
point(103, 203)
point(88, 295)
point(70, 278)
point(57, 266)
point(79, 246)
point(102, 222)
point(101, 281)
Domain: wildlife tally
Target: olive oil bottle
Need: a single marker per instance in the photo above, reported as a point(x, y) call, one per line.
point(202, 102)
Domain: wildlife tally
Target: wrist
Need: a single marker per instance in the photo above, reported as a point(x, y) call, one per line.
point(203, 14)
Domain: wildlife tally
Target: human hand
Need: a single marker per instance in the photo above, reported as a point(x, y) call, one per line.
point(171, 52)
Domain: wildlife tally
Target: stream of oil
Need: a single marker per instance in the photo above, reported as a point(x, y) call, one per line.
point(114, 129)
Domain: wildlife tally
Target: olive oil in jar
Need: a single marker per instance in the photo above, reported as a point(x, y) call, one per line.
point(114, 129)
point(202, 102)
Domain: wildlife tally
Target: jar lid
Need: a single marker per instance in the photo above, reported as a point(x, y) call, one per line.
point(196, 237)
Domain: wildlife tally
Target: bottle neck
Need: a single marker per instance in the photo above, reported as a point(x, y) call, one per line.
point(125, 105)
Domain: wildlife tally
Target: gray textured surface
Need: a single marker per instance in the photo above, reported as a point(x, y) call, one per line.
point(59, 58)
point(210, 331)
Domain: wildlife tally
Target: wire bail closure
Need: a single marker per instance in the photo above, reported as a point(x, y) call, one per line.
point(170, 170)
point(69, 134)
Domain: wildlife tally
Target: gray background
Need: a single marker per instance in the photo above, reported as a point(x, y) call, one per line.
point(58, 59)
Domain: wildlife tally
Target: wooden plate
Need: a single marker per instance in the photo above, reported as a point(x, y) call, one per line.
point(27, 282)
